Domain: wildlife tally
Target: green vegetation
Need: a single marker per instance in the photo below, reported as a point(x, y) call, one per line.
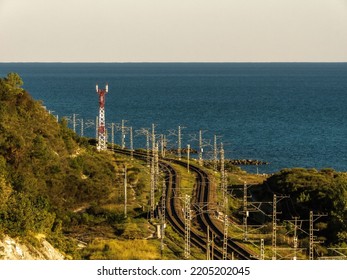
point(323, 192)
point(54, 184)
point(121, 250)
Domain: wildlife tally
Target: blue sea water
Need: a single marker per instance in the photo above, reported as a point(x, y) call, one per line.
point(287, 114)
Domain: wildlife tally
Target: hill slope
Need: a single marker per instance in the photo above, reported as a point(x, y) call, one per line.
point(46, 171)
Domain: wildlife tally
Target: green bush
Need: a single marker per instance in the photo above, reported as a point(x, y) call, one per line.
point(323, 191)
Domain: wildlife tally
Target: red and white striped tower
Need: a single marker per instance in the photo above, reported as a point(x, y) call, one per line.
point(102, 128)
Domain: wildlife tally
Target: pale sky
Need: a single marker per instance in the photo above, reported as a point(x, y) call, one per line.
point(173, 30)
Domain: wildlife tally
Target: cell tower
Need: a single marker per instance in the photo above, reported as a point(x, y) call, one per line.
point(101, 128)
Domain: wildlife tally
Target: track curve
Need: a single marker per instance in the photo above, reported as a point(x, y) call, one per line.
point(204, 193)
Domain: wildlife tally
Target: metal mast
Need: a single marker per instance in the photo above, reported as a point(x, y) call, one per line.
point(225, 239)
point(123, 135)
point(222, 172)
point(82, 127)
point(101, 128)
point(152, 170)
point(112, 135)
point(162, 145)
point(208, 244)
point(179, 143)
point(215, 156)
point(131, 143)
point(274, 227)
point(165, 144)
point(147, 147)
point(311, 233)
point(187, 220)
point(153, 139)
point(163, 209)
point(201, 161)
point(262, 249)
point(156, 165)
point(295, 237)
point(188, 156)
point(125, 191)
point(74, 122)
point(311, 236)
point(245, 211)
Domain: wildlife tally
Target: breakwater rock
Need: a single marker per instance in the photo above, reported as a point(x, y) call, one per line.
point(245, 162)
point(183, 151)
point(236, 162)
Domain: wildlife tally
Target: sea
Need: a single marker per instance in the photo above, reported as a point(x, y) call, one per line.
point(286, 114)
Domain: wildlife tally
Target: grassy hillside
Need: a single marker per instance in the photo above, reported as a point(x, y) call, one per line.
point(54, 184)
point(46, 171)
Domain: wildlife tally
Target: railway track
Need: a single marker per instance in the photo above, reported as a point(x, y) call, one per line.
point(174, 213)
point(203, 197)
point(204, 194)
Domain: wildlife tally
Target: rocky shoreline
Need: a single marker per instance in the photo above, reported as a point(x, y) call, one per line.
point(246, 162)
point(227, 161)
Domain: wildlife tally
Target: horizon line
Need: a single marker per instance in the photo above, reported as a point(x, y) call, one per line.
point(167, 62)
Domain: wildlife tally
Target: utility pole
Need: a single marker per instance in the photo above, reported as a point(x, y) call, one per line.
point(82, 127)
point(153, 139)
point(152, 189)
point(156, 165)
point(215, 154)
point(313, 218)
point(274, 227)
point(101, 128)
point(295, 237)
point(225, 239)
point(74, 122)
point(123, 135)
point(311, 236)
point(208, 241)
point(112, 135)
point(274, 223)
point(147, 147)
point(262, 249)
point(162, 145)
point(245, 211)
point(188, 156)
point(125, 192)
point(131, 143)
point(187, 219)
point(222, 172)
point(179, 143)
point(201, 161)
point(163, 209)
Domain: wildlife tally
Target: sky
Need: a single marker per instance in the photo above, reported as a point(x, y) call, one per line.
point(173, 30)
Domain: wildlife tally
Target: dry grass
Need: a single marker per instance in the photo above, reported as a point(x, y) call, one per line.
point(122, 250)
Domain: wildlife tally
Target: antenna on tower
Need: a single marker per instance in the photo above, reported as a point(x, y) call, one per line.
point(101, 127)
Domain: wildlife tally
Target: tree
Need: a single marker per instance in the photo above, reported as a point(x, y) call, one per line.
point(5, 192)
point(14, 80)
point(323, 191)
point(14, 83)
